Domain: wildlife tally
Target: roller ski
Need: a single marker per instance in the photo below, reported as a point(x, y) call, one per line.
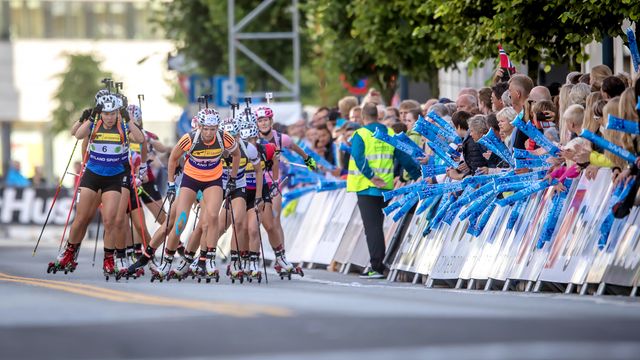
point(162, 272)
point(284, 268)
point(234, 271)
point(133, 257)
point(66, 261)
point(183, 270)
point(109, 268)
point(211, 271)
point(135, 270)
point(254, 271)
point(122, 266)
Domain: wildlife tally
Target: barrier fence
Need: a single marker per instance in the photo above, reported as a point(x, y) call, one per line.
point(547, 242)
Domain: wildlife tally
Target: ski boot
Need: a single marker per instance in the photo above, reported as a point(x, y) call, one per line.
point(122, 266)
point(132, 258)
point(284, 268)
point(160, 273)
point(234, 270)
point(193, 268)
point(210, 267)
point(182, 270)
point(109, 267)
point(255, 272)
point(65, 261)
point(245, 261)
point(135, 270)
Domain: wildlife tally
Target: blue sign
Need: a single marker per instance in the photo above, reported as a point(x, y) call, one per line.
point(224, 88)
point(198, 86)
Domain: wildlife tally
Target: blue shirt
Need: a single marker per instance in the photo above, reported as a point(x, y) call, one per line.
point(357, 152)
point(103, 170)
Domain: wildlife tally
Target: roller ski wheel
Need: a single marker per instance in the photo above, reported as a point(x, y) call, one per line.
point(156, 276)
point(123, 273)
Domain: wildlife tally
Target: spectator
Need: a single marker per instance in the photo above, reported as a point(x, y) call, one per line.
point(344, 136)
point(573, 77)
point(552, 135)
point(391, 111)
point(332, 121)
point(440, 109)
point(38, 180)
point(597, 75)
point(320, 117)
point(612, 86)
point(370, 173)
point(390, 121)
point(346, 104)
point(492, 123)
point(590, 122)
point(621, 139)
point(496, 95)
point(406, 106)
point(544, 114)
point(506, 99)
point(626, 79)
point(296, 131)
point(452, 108)
point(310, 137)
point(324, 144)
point(585, 79)
point(573, 117)
point(564, 100)
point(428, 104)
point(14, 177)
point(399, 127)
point(505, 117)
point(381, 112)
point(373, 96)
point(578, 94)
point(484, 100)
point(355, 115)
point(468, 103)
point(468, 91)
point(519, 88)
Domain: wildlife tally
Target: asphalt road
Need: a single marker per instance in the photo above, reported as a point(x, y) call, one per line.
point(321, 316)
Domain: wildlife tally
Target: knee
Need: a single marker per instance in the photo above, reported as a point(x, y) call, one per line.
point(109, 222)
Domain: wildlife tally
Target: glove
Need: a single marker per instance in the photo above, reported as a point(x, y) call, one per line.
point(86, 114)
point(311, 164)
point(274, 190)
point(258, 201)
point(142, 171)
point(125, 115)
point(231, 185)
point(171, 191)
point(95, 112)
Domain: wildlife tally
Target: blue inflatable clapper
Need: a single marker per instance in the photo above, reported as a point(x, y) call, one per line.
point(477, 205)
point(442, 210)
point(633, 49)
point(620, 124)
point(522, 194)
point(417, 186)
point(405, 208)
point(619, 193)
point(514, 186)
point(613, 148)
point(445, 126)
point(441, 154)
point(402, 137)
point(535, 135)
point(530, 176)
point(296, 193)
point(405, 148)
point(551, 221)
point(515, 213)
point(399, 203)
point(531, 163)
point(426, 203)
point(346, 148)
point(439, 189)
point(318, 159)
point(482, 222)
point(331, 185)
point(428, 129)
point(433, 170)
point(491, 141)
point(525, 154)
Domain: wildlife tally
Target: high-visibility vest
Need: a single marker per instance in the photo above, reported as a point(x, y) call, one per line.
point(379, 155)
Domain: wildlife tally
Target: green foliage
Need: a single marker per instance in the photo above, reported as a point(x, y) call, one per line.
point(550, 32)
point(78, 84)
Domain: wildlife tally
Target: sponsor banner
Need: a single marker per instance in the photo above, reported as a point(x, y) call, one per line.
point(29, 206)
point(567, 260)
point(353, 234)
point(313, 224)
point(455, 245)
point(624, 268)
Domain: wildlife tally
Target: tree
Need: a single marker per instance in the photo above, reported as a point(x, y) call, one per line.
point(78, 84)
point(550, 32)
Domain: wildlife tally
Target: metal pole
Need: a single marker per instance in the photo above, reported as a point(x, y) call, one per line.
point(232, 47)
point(295, 28)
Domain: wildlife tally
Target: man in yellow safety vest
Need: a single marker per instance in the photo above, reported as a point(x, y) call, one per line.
point(370, 173)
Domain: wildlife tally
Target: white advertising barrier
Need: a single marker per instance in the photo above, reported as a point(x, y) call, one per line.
point(413, 244)
point(352, 241)
point(509, 251)
point(326, 248)
point(568, 261)
point(312, 226)
point(624, 234)
point(624, 267)
point(454, 249)
point(485, 247)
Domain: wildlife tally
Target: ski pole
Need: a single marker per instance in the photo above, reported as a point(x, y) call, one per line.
point(55, 197)
point(166, 231)
point(264, 262)
point(95, 246)
point(235, 232)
